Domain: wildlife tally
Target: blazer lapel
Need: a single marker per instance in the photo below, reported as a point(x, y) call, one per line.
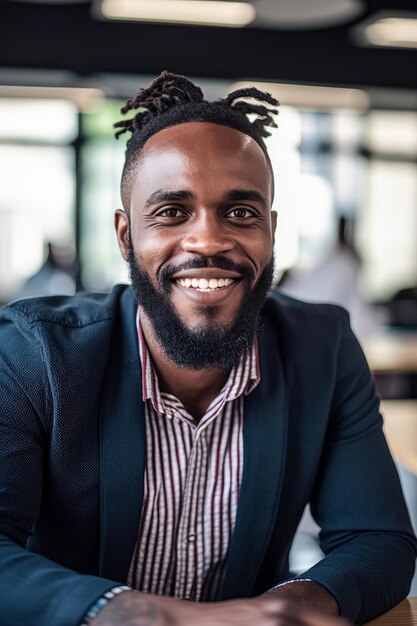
point(264, 438)
point(123, 449)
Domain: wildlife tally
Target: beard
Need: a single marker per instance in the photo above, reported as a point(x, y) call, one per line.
point(210, 345)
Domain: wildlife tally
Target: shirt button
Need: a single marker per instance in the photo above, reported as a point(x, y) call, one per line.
point(191, 537)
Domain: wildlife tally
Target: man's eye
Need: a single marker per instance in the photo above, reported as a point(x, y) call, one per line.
point(240, 213)
point(171, 212)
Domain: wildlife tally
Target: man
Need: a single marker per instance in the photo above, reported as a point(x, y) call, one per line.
point(158, 450)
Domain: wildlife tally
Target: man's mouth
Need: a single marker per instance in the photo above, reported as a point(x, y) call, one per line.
point(202, 282)
point(205, 284)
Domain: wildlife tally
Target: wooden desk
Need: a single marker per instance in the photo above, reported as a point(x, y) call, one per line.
point(400, 427)
point(392, 352)
point(404, 614)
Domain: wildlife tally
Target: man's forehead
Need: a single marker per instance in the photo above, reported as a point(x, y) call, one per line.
point(229, 155)
point(174, 156)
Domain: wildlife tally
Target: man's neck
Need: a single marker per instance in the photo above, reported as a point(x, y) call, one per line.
point(196, 389)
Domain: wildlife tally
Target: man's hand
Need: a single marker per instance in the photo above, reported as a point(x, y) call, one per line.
point(140, 609)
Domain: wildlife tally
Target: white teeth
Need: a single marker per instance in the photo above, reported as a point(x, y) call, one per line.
point(204, 284)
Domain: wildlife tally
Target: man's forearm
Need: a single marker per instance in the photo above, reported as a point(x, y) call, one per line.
point(308, 605)
point(308, 594)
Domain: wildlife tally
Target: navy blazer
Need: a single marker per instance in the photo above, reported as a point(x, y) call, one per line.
point(72, 449)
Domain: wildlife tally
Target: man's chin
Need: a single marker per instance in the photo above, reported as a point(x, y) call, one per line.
point(206, 318)
point(220, 306)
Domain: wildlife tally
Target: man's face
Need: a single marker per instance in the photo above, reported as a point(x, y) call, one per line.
point(201, 229)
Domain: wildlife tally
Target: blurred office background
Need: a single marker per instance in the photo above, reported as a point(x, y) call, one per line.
point(344, 71)
point(344, 154)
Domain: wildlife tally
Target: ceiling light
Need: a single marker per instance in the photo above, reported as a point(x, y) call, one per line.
point(306, 14)
point(207, 12)
point(393, 31)
point(389, 29)
point(313, 97)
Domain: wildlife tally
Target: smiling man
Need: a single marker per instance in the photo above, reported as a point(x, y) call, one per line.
point(160, 443)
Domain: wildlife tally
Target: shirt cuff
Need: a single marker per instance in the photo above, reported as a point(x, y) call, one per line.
point(290, 581)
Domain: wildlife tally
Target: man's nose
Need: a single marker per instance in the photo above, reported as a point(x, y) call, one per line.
point(208, 237)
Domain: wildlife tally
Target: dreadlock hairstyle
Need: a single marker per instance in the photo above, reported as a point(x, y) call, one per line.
point(172, 99)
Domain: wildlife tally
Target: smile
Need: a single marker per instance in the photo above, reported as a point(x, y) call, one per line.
point(208, 291)
point(205, 284)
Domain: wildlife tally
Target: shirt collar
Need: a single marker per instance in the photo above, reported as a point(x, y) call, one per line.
point(242, 380)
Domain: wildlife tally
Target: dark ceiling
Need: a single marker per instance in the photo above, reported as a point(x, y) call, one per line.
point(66, 37)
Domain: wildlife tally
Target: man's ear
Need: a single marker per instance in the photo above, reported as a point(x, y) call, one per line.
point(121, 225)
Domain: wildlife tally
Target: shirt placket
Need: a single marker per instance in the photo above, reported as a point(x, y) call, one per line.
point(190, 532)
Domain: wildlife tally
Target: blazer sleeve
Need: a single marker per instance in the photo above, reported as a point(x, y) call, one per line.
point(33, 589)
point(366, 534)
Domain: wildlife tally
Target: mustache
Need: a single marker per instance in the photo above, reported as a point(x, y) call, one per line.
point(220, 262)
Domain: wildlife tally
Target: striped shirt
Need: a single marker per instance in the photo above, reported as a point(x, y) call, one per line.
point(193, 474)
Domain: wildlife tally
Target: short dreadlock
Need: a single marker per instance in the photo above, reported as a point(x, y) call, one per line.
point(172, 99)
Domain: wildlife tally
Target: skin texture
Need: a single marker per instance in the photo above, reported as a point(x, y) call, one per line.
point(206, 162)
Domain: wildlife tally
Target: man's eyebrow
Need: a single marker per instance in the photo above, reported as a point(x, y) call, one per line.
point(167, 195)
point(236, 195)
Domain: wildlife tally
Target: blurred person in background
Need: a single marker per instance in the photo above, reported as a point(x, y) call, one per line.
point(160, 443)
point(335, 280)
point(56, 276)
